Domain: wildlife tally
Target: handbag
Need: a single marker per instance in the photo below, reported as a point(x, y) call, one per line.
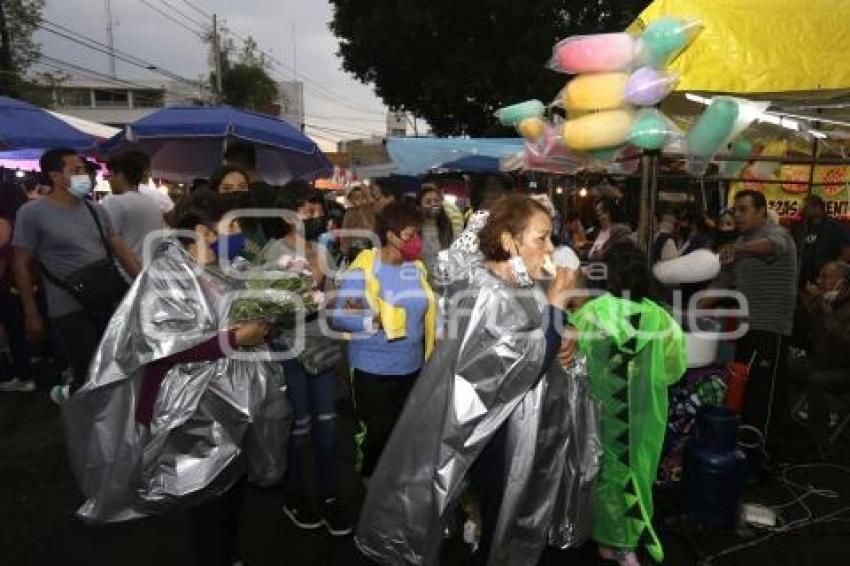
point(99, 287)
point(319, 353)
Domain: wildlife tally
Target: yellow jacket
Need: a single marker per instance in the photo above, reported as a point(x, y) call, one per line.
point(394, 319)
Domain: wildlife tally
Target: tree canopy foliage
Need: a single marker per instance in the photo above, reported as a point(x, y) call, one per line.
point(454, 63)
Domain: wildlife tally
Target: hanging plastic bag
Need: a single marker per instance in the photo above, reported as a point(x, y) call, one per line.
point(572, 522)
point(597, 131)
point(648, 86)
point(598, 53)
point(514, 114)
point(597, 91)
point(723, 121)
point(664, 38)
point(651, 129)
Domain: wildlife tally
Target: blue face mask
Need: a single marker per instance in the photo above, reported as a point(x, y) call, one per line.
point(233, 244)
point(80, 186)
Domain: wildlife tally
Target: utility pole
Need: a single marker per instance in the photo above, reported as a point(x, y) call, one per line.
point(217, 60)
point(110, 38)
point(7, 71)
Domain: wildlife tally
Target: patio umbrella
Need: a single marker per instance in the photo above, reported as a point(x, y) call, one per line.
point(25, 128)
point(187, 142)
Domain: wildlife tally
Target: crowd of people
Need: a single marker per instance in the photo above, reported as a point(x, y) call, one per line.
point(457, 382)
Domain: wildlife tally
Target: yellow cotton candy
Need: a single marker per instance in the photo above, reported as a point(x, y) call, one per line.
point(595, 131)
point(532, 129)
point(599, 91)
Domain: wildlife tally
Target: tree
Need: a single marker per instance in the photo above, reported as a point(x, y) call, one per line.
point(18, 21)
point(454, 63)
point(245, 82)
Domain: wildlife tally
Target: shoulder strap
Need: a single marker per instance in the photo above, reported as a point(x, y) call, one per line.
point(106, 245)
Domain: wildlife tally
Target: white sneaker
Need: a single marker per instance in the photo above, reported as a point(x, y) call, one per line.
point(59, 394)
point(17, 385)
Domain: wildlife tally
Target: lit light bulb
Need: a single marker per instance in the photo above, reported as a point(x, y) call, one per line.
point(559, 191)
point(582, 193)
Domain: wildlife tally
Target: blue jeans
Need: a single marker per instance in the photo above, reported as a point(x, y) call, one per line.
point(313, 399)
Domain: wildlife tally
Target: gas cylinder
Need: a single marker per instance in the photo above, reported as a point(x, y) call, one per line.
point(714, 471)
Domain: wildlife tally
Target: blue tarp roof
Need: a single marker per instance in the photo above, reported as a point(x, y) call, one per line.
point(25, 130)
point(416, 156)
point(473, 164)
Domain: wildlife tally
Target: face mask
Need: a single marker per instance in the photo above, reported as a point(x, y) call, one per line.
point(233, 244)
point(830, 296)
point(520, 271)
point(684, 232)
point(80, 186)
point(434, 211)
point(411, 249)
point(315, 227)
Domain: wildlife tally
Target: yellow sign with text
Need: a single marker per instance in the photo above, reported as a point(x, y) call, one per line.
point(788, 186)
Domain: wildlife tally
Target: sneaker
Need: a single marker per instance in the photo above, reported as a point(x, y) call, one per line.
point(333, 517)
point(59, 394)
point(17, 385)
point(302, 514)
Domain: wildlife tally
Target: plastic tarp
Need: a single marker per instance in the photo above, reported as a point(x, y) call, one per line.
point(417, 156)
point(761, 46)
point(26, 129)
point(472, 164)
point(185, 142)
point(96, 129)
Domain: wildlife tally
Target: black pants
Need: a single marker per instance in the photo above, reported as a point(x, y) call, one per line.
point(80, 339)
point(488, 475)
point(827, 390)
point(215, 528)
point(378, 401)
point(765, 400)
point(12, 316)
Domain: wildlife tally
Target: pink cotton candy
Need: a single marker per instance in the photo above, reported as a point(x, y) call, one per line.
point(597, 53)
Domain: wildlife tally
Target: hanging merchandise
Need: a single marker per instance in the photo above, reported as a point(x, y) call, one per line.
point(664, 39)
point(514, 114)
point(597, 91)
point(648, 86)
point(739, 151)
point(651, 129)
point(597, 131)
point(723, 121)
point(532, 129)
point(597, 53)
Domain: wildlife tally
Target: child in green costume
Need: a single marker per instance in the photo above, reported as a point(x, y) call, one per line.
point(635, 351)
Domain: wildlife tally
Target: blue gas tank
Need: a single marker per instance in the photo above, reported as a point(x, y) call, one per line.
point(714, 471)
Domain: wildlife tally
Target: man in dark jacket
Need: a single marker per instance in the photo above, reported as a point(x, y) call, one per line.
point(829, 351)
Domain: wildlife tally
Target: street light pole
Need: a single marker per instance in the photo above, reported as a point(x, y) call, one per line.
point(217, 60)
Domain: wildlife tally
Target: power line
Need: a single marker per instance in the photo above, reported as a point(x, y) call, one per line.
point(95, 45)
point(345, 118)
point(184, 15)
point(172, 19)
point(198, 10)
point(339, 131)
point(54, 63)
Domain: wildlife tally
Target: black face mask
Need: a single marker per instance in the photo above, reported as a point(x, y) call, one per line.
point(684, 232)
point(315, 227)
point(726, 236)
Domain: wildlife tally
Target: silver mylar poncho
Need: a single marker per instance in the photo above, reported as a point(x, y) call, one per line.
point(483, 374)
point(212, 421)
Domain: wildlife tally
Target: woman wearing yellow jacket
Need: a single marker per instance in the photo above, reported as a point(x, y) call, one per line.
point(386, 304)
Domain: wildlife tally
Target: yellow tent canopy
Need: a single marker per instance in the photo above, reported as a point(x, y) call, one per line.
point(762, 46)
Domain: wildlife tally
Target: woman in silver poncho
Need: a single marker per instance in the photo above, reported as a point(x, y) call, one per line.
point(488, 408)
point(171, 413)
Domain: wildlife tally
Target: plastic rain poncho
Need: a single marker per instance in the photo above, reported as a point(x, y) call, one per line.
point(483, 374)
point(212, 421)
point(634, 351)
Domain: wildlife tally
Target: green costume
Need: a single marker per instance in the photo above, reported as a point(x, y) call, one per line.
point(635, 351)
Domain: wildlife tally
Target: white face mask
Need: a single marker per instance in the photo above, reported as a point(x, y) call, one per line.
point(830, 296)
point(520, 271)
point(80, 185)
